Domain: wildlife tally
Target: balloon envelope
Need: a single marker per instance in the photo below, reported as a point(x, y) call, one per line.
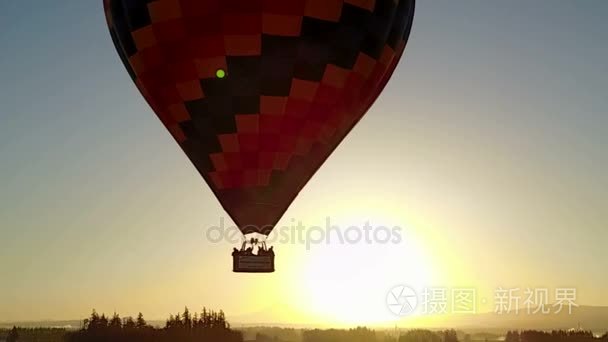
point(258, 93)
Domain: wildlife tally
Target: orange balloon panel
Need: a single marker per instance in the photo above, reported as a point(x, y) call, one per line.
point(258, 93)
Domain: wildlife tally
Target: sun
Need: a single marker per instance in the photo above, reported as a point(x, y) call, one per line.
point(347, 284)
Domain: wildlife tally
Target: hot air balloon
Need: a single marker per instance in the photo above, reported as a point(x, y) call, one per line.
point(258, 93)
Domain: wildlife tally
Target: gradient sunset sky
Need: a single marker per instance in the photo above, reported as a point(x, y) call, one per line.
point(489, 147)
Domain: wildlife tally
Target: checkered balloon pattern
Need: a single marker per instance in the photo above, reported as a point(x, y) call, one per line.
point(258, 93)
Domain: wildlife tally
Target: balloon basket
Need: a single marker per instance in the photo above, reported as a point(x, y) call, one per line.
point(252, 263)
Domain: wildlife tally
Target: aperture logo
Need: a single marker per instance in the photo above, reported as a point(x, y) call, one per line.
point(402, 300)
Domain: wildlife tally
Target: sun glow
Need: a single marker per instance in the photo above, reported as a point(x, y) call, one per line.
point(347, 283)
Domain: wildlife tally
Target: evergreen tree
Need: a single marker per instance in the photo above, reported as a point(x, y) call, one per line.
point(182, 327)
point(204, 318)
point(103, 321)
point(129, 323)
point(93, 322)
point(13, 336)
point(187, 319)
point(450, 336)
point(115, 322)
point(141, 322)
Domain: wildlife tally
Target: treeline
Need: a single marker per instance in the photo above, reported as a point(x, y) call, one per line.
point(553, 336)
point(208, 326)
point(212, 326)
point(274, 334)
point(36, 334)
point(511, 336)
point(333, 335)
point(421, 335)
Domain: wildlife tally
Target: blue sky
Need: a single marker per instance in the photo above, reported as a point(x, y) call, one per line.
point(489, 142)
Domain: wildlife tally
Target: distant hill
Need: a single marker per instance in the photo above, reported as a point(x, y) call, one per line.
point(594, 318)
point(68, 325)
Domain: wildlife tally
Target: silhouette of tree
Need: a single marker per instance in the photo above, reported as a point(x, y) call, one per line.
point(512, 336)
point(278, 334)
point(177, 323)
point(115, 322)
point(353, 335)
point(141, 322)
point(13, 336)
point(204, 318)
point(93, 322)
point(103, 321)
point(259, 337)
point(217, 330)
point(450, 336)
point(129, 323)
point(187, 319)
point(556, 335)
point(419, 335)
point(181, 327)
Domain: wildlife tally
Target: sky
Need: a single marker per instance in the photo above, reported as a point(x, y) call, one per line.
point(488, 149)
